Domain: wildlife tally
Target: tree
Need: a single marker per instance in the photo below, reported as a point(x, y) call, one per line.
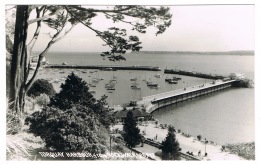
point(62, 19)
point(131, 135)
point(76, 92)
point(39, 87)
point(73, 91)
point(170, 146)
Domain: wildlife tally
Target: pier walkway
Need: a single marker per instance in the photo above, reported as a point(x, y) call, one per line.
point(153, 102)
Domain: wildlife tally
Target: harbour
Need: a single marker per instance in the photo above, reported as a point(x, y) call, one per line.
point(217, 108)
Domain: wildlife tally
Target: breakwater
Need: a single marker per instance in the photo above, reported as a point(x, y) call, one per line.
point(105, 67)
point(194, 74)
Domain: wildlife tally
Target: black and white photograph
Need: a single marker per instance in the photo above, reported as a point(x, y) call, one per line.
point(134, 82)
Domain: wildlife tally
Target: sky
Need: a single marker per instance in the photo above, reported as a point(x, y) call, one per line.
point(194, 28)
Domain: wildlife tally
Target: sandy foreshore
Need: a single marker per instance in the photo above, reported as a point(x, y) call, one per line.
point(190, 144)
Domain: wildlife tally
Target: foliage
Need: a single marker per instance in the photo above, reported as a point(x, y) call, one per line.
point(19, 144)
point(23, 146)
point(131, 134)
point(117, 38)
point(42, 100)
point(199, 137)
point(61, 19)
point(73, 91)
point(13, 123)
point(245, 150)
point(74, 120)
point(170, 146)
point(75, 129)
point(118, 148)
point(41, 86)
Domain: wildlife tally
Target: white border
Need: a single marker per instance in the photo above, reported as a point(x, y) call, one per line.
point(121, 2)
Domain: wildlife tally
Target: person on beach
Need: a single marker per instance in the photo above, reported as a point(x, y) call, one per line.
point(199, 153)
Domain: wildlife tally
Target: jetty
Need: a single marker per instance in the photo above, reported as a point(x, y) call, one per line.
point(105, 67)
point(194, 74)
point(154, 102)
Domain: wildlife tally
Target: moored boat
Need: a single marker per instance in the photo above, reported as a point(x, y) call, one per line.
point(151, 84)
point(172, 82)
point(157, 75)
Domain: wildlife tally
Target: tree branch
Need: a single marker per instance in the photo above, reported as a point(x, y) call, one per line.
point(95, 10)
point(37, 31)
point(42, 18)
point(119, 19)
point(58, 39)
point(96, 31)
point(42, 55)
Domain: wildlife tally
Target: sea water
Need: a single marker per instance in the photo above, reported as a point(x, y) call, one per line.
point(223, 117)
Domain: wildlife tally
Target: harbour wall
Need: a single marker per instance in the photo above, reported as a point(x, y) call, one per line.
point(194, 74)
point(107, 68)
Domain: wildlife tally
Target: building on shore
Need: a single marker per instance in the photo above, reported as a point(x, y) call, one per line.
point(236, 76)
point(138, 113)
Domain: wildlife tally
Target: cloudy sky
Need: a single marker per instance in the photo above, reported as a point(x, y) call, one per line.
point(194, 28)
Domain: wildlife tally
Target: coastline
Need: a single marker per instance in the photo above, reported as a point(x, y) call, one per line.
point(188, 143)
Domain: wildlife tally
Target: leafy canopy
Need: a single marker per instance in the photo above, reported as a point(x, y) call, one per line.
point(74, 120)
point(117, 39)
point(75, 129)
point(41, 86)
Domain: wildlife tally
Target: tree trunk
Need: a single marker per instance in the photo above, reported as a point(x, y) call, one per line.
point(19, 66)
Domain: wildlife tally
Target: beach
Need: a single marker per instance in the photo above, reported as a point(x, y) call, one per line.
point(190, 144)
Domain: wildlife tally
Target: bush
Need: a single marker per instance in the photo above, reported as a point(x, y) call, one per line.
point(75, 129)
point(39, 87)
point(199, 137)
point(42, 100)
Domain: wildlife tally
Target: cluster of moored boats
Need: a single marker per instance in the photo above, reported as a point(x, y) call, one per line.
point(173, 80)
point(110, 85)
point(153, 85)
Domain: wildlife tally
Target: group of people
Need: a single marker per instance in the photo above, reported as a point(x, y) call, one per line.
point(199, 153)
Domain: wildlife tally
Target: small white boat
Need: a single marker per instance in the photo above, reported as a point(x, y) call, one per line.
point(92, 91)
point(92, 85)
point(56, 81)
point(64, 63)
point(158, 75)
